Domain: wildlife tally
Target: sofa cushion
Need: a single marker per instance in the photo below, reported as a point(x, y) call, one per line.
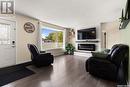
point(102, 54)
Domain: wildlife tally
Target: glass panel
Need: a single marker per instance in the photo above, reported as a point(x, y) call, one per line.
point(60, 39)
point(4, 34)
point(51, 39)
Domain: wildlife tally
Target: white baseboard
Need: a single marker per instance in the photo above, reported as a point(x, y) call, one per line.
point(56, 52)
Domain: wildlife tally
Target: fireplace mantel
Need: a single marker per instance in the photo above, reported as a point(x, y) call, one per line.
point(89, 40)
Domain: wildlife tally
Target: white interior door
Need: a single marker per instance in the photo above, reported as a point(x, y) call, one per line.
point(7, 43)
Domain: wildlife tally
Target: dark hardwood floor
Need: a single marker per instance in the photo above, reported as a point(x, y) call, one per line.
point(67, 71)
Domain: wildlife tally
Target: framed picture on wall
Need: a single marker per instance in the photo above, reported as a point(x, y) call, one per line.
point(29, 27)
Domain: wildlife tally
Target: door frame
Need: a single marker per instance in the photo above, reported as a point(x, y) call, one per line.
point(104, 39)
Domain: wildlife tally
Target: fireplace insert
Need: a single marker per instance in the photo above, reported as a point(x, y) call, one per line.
point(87, 47)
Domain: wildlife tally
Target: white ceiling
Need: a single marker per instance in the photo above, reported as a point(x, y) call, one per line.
point(71, 13)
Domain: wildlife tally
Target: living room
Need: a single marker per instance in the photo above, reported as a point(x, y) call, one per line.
point(70, 39)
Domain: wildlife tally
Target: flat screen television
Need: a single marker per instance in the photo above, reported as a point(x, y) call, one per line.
point(85, 34)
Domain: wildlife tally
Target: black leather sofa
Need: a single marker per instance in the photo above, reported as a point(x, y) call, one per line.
point(114, 66)
point(40, 59)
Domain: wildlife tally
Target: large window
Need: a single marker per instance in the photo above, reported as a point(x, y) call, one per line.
point(4, 34)
point(51, 38)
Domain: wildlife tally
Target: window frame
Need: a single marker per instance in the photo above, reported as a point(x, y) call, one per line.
point(42, 27)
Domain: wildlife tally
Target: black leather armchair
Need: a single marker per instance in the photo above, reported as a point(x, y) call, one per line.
point(113, 67)
point(40, 58)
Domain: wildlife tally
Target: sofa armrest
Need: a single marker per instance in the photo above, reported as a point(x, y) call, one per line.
point(42, 51)
point(99, 55)
point(106, 51)
point(45, 54)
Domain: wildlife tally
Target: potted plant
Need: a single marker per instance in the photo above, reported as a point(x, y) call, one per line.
point(69, 49)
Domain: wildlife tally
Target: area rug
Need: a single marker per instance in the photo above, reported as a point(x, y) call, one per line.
point(14, 74)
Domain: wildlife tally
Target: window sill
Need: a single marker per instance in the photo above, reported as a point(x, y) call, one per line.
point(53, 49)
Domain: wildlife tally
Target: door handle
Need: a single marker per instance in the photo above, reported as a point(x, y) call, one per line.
point(13, 43)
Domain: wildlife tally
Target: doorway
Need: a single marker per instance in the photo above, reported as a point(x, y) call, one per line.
point(105, 39)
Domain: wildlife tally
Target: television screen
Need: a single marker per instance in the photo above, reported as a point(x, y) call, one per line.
point(89, 33)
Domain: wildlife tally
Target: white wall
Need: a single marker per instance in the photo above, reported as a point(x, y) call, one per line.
point(112, 32)
point(23, 38)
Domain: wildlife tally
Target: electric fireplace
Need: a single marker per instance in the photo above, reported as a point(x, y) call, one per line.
point(87, 47)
